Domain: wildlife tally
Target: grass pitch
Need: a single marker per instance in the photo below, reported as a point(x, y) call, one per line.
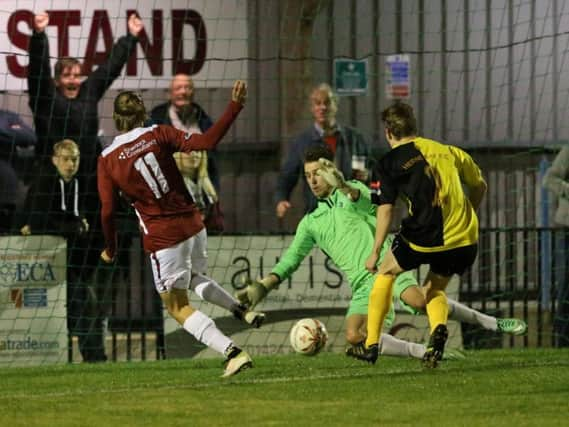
point(488, 388)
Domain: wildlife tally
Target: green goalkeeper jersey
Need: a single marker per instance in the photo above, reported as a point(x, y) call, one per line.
point(344, 230)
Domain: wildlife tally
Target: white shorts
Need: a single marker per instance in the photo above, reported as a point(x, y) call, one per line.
point(172, 266)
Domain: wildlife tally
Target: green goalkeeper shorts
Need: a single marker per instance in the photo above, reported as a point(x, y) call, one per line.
point(360, 299)
point(403, 281)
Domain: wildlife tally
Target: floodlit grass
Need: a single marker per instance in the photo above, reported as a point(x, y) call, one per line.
point(489, 388)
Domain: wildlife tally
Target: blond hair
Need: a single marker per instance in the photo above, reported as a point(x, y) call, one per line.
point(201, 174)
point(65, 144)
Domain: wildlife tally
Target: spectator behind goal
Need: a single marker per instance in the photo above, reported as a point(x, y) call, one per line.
point(183, 113)
point(193, 167)
point(350, 148)
point(17, 142)
point(556, 180)
point(54, 205)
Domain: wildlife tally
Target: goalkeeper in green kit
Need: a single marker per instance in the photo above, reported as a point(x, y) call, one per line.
point(343, 226)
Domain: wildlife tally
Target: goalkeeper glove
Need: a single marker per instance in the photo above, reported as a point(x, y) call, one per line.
point(254, 292)
point(331, 174)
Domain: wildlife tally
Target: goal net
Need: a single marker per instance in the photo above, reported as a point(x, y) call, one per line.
point(486, 76)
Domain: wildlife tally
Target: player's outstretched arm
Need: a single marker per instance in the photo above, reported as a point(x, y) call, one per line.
point(239, 92)
point(107, 196)
point(257, 290)
point(208, 140)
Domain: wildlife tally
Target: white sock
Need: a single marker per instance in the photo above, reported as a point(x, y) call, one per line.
point(205, 331)
point(462, 313)
point(391, 346)
point(211, 291)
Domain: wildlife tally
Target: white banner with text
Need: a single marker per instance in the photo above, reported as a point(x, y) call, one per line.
point(33, 325)
point(206, 39)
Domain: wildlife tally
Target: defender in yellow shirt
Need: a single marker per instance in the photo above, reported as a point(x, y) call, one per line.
point(441, 229)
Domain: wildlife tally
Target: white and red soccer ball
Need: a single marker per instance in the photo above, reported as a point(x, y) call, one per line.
point(308, 336)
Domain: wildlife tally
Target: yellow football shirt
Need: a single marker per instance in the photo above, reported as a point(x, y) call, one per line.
point(429, 177)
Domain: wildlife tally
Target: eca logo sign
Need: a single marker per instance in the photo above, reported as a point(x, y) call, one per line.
point(26, 272)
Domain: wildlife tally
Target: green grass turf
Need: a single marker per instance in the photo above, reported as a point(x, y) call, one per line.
point(489, 388)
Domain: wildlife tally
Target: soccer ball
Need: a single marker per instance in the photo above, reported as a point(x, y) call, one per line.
point(308, 336)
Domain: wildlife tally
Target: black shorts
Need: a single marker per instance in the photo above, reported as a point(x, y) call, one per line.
point(444, 263)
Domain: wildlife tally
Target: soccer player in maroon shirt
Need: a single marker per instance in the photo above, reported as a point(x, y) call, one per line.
point(139, 164)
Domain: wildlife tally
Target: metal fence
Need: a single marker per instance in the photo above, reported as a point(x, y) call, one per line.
point(518, 273)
